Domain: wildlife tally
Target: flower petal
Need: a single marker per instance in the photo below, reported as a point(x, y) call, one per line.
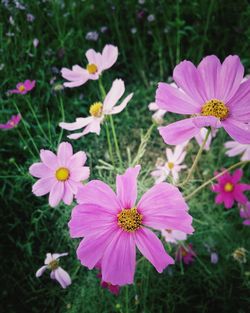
point(64, 153)
point(109, 56)
point(77, 160)
point(40, 170)
point(113, 96)
point(163, 207)
point(238, 131)
point(49, 158)
point(56, 194)
point(117, 109)
point(80, 123)
point(126, 187)
point(80, 173)
point(68, 194)
point(173, 100)
point(118, 263)
point(179, 132)
point(43, 186)
point(41, 271)
point(62, 277)
point(152, 248)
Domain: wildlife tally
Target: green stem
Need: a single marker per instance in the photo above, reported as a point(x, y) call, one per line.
point(109, 145)
point(26, 129)
point(24, 141)
point(36, 118)
point(117, 149)
point(214, 178)
point(196, 160)
point(63, 119)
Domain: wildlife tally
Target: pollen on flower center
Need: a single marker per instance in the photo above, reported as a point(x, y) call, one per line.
point(92, 68)
point(62, 174)
point(129, 219)
point(170, 165)
point(215, 108)
point(96, 109)
point(228, 187)
point(53, 265)
point(21, 88)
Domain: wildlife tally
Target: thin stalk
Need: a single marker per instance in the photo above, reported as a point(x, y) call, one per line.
point(24, 141)
point(196, 160)
point(178, 36)
point(117, 149)
point(63, 119)
point(36, 118)
point(215, 177)
point(109, 145)
point(26, 129)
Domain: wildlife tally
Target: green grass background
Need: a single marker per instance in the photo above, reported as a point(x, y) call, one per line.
point(30, 228)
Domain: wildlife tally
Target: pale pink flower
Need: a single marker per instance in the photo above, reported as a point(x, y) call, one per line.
point(97, 63)
point(23, 88)
point(35, 43)
point(98, 111)
point(173, 165)
point(185, 254)
point(159, 113)
point(112, 225)
point(200, 137)
point(52, 263)
point(59, 175)
point(173, 236)
point(235, 148)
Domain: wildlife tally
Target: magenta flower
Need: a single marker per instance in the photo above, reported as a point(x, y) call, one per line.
point(13, 122)
point(98, 111)
point(185, 254)
point(23, 88)
point(97, 63)
point(59, 175)
point(113, 225)
point(229, 189)
point(52, 263)
point(245, 213)
point(213, 94)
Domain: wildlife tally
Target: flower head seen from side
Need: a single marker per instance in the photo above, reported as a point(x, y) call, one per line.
point(240, 255)
point(202, 135)
point(98, 111)
point(185, 254)
point(97, 63)
point(113, 225)
point(173, 236)
point(235, 148)
point(173, 165)
point(159, 113)
point(229, 189)
point(23, 88)
point(52, 263)
point(13, 122)
point(59, 175)
point(245, 213)
point(213, 94)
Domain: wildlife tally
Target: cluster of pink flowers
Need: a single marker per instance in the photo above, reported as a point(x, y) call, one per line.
point(114, 224)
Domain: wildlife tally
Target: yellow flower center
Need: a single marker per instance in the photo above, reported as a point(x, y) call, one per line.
point(92, 68)
point(129, 219)
point(170, 165)
point(21, 88)
point(53, 265)
point(62, 174)
point(228, 187)
point(215, 108)
point(96, 109)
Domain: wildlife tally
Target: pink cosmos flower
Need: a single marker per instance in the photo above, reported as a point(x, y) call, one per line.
point(213, 94)
point(97, 63)
point(245, 213)
point(99, 110)
point(159, 113)
point(59, 175)
point(23, 88)
point(13, 122)
point(172, 166)
point(112, 225)
point(235, 148)
point(173, 236)
point(185, 254)
point(52, 263)
point(229, 189)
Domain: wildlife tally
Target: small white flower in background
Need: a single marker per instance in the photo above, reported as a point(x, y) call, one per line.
point(1, 66)
point(52, 263)
point(10, 34)
point(19, 5)
point(141, 1)
point(202, 135)
point(11, 20)
point(151, 18)
point(214, 258)
point(103, 29)
point(92, 36)
point(173, 236)
point(30, 17)
point(133, 30)
point(173, 165)
point(235, 148)
point(159, 113)
point(35, 42)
